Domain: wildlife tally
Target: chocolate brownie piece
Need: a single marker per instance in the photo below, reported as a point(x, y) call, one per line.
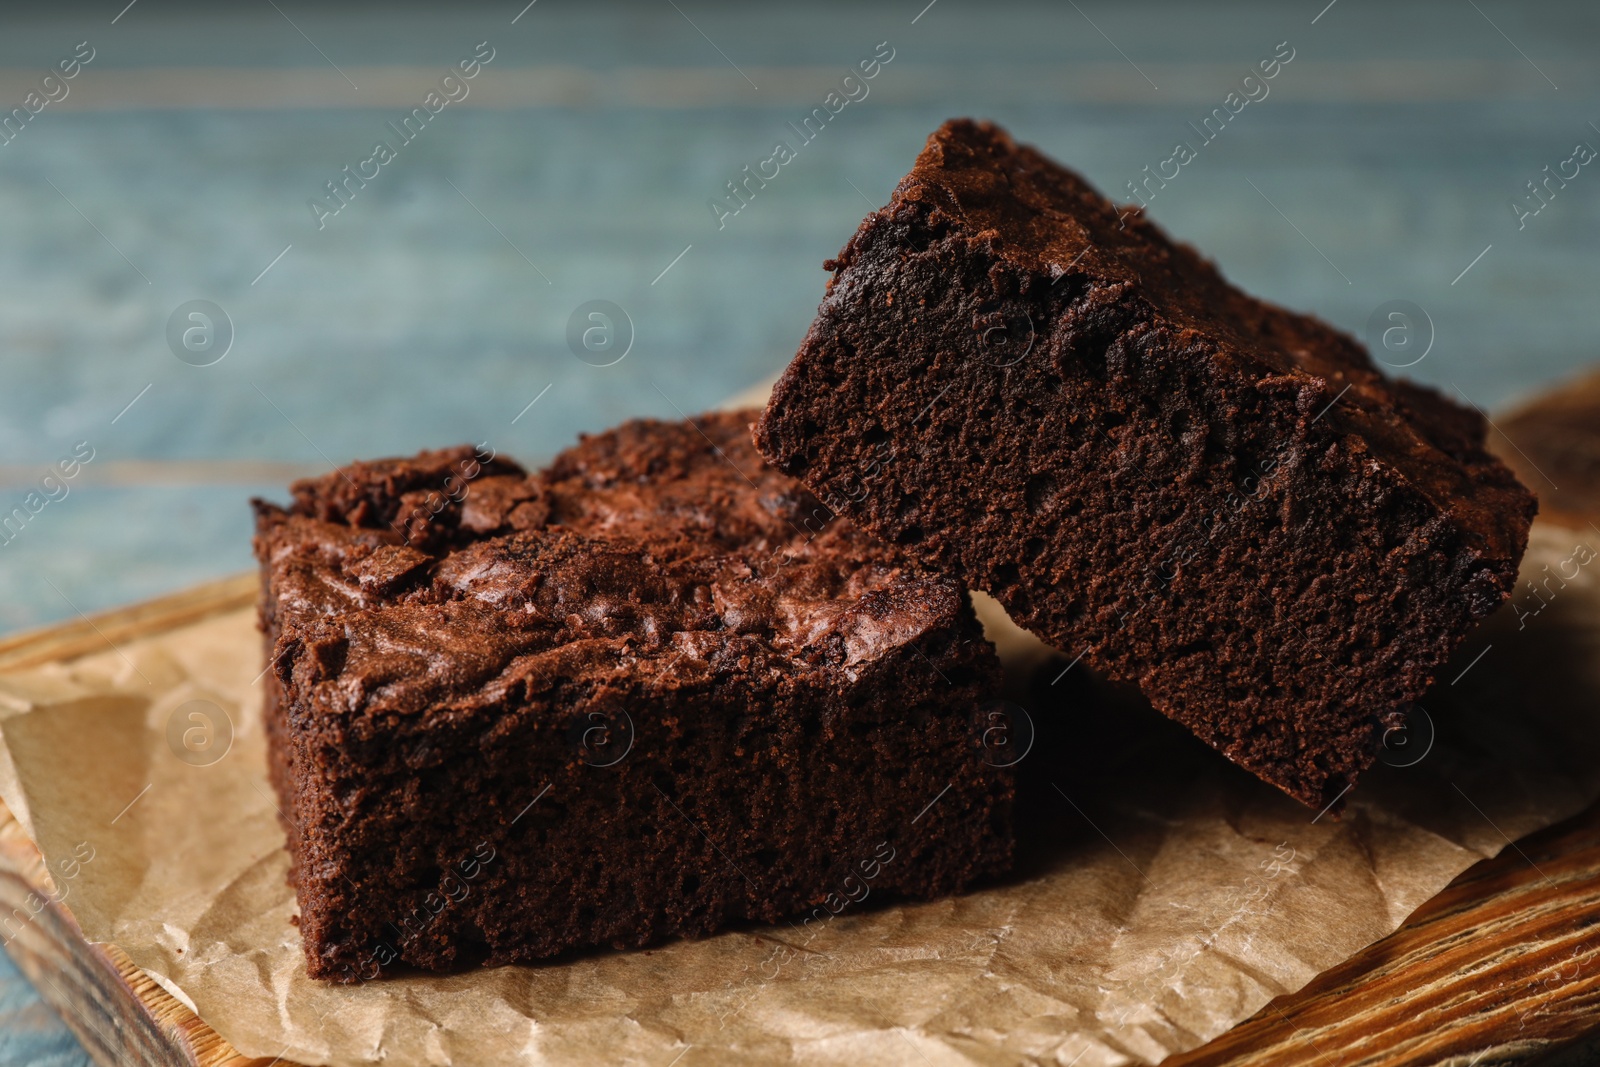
point(643, 693)
point(1216, 499)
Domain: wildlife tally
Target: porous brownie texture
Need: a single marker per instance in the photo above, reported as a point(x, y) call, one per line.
point(648, 691)
point(1216, 499)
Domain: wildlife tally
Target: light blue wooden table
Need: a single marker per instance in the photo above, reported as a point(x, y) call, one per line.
point(1382, 164)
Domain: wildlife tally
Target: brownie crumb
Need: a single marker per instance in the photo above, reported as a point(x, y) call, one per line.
point(652, 690)
point(1220, 501)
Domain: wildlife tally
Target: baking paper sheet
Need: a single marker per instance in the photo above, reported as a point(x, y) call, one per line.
point(1161, 896)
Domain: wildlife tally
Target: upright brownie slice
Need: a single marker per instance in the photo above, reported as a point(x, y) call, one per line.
point(1216, 499)
point(644, 693)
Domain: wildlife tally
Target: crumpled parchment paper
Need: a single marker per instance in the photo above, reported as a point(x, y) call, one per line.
point(1161, 895)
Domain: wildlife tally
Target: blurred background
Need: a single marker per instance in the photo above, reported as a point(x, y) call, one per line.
point(161, 161)
point(580, 163)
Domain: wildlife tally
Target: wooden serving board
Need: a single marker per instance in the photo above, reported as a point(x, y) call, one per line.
point(118, 1013)
point(1502, 967)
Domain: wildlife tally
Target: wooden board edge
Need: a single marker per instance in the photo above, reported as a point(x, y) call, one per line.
point(1507, 946)
point(93, 633)
point(119, 1014)
point(1548, 888)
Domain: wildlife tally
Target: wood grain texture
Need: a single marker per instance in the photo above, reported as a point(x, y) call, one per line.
point(1501, 967)
point(85, 634)
point(1393, 142)
point(30, 1030)
point(117, 1012)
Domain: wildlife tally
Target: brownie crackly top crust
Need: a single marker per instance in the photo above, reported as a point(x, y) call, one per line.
point(659, 683)
point(1221, 501)
point(635, 544)
point(1051, 225)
